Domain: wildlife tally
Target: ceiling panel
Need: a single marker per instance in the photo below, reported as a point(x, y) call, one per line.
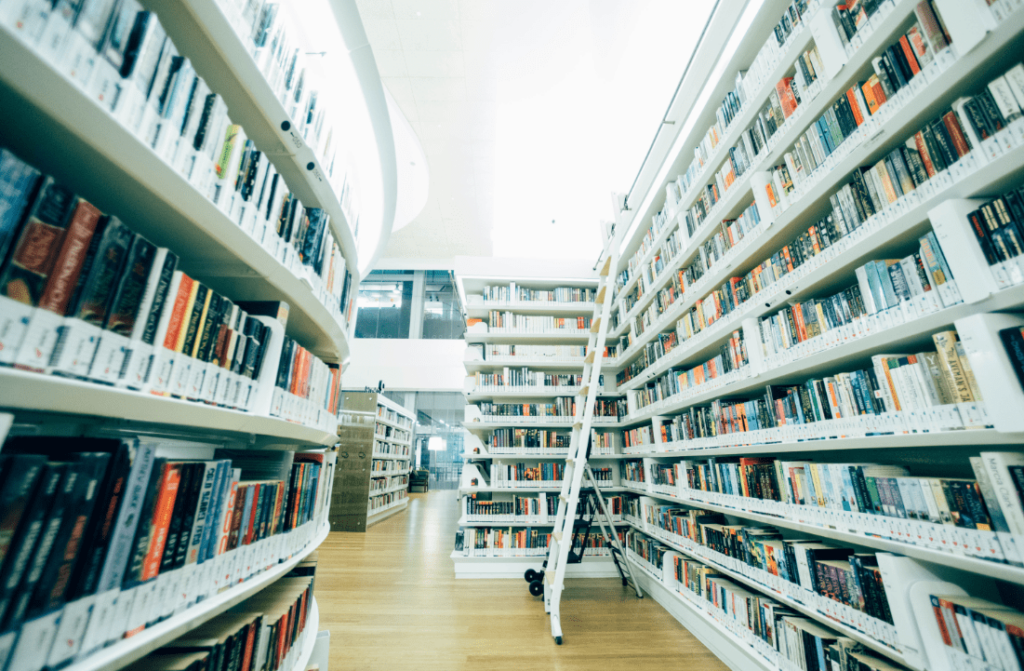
point(527, 111)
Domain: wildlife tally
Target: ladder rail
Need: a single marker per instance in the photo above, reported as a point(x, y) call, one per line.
point(576, 466)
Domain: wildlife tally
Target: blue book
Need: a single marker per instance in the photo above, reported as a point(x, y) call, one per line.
point(18, 185)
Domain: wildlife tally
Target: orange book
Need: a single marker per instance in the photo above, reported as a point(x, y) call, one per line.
point(926, 157)
point(956, 133)
point(878, 91)
point(851, 97)
point(867, 88)
point(169, 482)
point(801, 325)
point(908, 51)
point(174, 326)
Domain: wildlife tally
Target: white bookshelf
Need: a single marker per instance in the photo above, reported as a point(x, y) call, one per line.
point(982, 50)
point(126, 651)
point(398, 423)
point(472, 284)
point(55, 125)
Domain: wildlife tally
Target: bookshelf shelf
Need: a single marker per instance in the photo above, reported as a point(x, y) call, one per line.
point(534, 490)
point(543, 423)
point(904, 335)
point(207, 38)
point(812, 613)
point(991, 56)
point(938, 439)
point(386, 512)
point(993, 569)
point(548, 455)
point(128, 650)
point(577, 337)
point(463, 522)
point(309, 638)
point(482, 310)
point(54, 125)
point(509, 362)
point(124, 410)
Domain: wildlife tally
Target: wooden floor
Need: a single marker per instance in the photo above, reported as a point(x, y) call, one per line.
point(391, 602)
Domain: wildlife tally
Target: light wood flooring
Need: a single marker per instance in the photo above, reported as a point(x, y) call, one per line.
point(391, 602)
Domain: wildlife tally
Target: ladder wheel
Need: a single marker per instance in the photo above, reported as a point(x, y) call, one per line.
point(531, 575)
point(558, 640)
point(537, 588)
point(624, 582)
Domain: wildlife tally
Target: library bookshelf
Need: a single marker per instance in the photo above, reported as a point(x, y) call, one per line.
point(707, 187)
point(509, 363)
point(376, 460)
point(73, 114)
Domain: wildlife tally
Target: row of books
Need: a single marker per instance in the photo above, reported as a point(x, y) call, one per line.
point(538, 508)
point(390, 434)
point(381, 502)
point(560, 407)
point(122, 57)
point(749, 83)
point(553, 353)
point(513, 293)
point(526, 378)
point(512, 322)
point(521, 542)
point(907, 285)
point(852, 206)
point(508, 438)
point(776, 632)
point(387, 448)
point(874, 489)
point(978, 633)
point(688, 278)
point(848, 214)
point(269, 34)
point(389, 415)
point(388, 484)
point(133, 538)
point(926, 391)
point(525, 475)
point(382, 467)
point(731, 360)
point(264, 633)
point(998, 226)
point(836, 581)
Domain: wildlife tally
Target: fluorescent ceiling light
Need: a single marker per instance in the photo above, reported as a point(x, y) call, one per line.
point(436, 444)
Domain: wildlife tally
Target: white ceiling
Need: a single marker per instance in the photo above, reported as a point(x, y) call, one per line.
point(528, 111)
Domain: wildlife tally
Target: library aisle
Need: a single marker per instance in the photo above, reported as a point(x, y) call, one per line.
point(391, 601)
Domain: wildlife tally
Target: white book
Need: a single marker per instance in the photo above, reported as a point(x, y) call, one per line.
point(1015, 79)
point(1005, 100)
point(1001, 480)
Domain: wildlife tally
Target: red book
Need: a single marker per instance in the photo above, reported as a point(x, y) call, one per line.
point(908, 51)
point(162, 519)
point(851, 98)
point(249, 523)
point(956, 133)
point(926, 158)
point(784, 88)
point(70, 258)
point(178, 311)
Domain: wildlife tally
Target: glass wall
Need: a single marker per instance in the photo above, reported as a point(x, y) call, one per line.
point(442, 309)
point(385, 305)
point(438, 437)
point(409, 304)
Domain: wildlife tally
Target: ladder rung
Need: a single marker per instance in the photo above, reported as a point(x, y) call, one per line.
point(596, 326)
point(607, 266)
point(578, 426)
point(590, 357)
point(549, 577)
point(584, 391)
point(600, 295)
point(557, 535)
point(563, 497)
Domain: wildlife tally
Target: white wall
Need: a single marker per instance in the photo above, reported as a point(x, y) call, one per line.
point(406, 365)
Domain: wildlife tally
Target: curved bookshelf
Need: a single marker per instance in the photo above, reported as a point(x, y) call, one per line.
point(208, 39)
point(309, 638)
point(835, 358)
point(867, 148)
point(128, 650)
point(129, 410)
point(481, 310)
point(54, 125)
point(576, 337)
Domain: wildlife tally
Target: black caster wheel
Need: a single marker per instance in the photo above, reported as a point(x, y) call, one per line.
point(624, 582)
point(537, 588)
point(530, 575)
point(558, 640)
